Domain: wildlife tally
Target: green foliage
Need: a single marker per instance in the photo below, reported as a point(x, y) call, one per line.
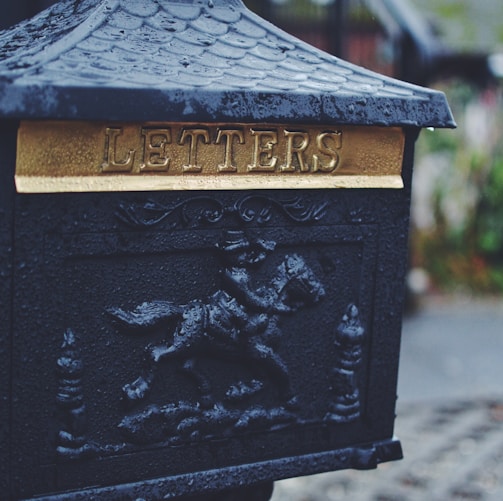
point(451, 10)
point(359, 14)
point(464, 248)
point(490, 224)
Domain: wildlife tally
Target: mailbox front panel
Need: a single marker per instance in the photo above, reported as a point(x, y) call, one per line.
point(164, 341)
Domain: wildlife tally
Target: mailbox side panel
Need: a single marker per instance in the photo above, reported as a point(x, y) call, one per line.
point(390, 294)
point(7, 162)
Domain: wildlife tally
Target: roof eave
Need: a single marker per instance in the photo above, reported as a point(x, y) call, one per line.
point(217, 105)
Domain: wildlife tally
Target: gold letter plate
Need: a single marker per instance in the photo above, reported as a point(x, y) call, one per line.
point(64, 156)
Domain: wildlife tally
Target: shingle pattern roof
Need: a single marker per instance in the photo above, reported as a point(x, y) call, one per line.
point(190, 56)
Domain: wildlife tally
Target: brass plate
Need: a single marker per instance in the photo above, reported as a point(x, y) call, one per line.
point(63, 156)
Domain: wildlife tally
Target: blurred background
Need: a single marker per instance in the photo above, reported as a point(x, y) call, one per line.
point(450, 406)
point(455, 46)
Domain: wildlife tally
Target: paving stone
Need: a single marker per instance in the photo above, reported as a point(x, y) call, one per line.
point(453, 451)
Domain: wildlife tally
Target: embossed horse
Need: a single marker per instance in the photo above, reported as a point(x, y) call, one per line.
point(223, 325)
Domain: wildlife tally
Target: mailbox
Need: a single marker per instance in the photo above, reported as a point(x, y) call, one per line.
point(203, 241)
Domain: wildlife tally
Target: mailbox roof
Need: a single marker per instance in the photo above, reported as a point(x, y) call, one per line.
point(191, 60)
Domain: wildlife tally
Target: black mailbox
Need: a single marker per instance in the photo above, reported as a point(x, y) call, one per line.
point(188, 302)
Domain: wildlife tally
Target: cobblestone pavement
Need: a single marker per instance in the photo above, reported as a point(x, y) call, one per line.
point(452, 452)
point(449, 414)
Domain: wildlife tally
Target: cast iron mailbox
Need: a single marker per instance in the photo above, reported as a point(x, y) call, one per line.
point(188, 303)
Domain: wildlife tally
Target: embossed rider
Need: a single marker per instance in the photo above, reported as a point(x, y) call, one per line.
point(238, 320)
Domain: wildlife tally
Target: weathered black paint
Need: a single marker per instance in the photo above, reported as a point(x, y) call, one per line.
point(76, 269)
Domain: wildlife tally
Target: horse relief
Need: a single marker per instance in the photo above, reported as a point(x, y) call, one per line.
point(237, 322)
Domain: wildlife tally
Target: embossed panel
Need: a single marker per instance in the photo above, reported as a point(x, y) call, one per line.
point(180, 334)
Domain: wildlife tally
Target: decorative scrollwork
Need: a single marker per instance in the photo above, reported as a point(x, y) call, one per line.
point(191, 213)
point(259, 208)
point(206, 210)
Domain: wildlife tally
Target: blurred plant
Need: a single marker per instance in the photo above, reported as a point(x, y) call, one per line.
point(458, 194)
